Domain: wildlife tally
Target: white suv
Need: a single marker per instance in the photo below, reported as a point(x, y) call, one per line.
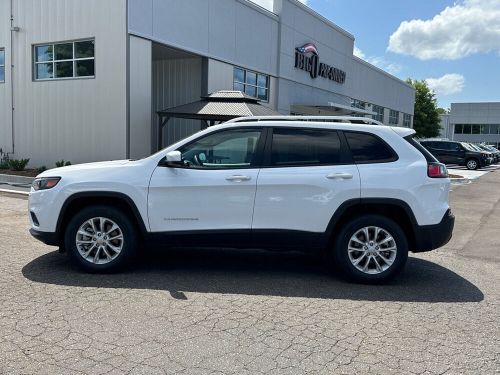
point(364, 194)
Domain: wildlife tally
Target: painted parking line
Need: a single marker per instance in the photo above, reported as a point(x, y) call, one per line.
point(463, 168)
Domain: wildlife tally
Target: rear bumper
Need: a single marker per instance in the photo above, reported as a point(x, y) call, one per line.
point(430, 237)
point(47, 238)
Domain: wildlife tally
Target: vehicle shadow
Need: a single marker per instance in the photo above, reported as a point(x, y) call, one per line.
point(257, 273)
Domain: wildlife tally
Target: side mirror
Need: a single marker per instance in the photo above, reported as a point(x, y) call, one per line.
point(174, 157)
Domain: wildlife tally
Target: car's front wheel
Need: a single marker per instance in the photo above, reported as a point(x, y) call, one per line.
point(371, 249)
point(100, 239)
point(472, 164)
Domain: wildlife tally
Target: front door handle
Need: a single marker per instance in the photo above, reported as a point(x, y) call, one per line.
point(238, 178)
point(344, 176)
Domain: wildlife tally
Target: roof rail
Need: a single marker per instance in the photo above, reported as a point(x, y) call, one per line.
point(348, 119)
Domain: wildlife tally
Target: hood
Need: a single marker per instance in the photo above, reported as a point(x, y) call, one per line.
point(71, 169)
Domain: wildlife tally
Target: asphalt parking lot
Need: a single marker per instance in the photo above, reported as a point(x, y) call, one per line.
point(220, 312)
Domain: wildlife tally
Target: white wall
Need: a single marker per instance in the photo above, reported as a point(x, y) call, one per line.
point(140, 86)
point(475, 113)
point(300, 25)
point(235, 31)
point(5, 97)
point(79, 120)
point(373, 85)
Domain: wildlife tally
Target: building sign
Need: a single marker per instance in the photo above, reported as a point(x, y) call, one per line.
point(307, 59)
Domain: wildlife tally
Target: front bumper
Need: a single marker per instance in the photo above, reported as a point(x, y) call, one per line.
point(430, 237)
point(47, 238)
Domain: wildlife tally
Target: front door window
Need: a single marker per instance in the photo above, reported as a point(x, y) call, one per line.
point(232, 149)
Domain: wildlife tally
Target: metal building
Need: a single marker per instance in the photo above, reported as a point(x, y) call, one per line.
point(473, 122)
point(82, 80)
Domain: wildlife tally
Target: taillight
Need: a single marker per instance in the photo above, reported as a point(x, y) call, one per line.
point(437, 170)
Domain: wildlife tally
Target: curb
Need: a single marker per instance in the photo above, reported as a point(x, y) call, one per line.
point(18, 192)
point(460, 181)
point(22, 181)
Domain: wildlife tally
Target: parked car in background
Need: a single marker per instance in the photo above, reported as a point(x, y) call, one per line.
point(493, 150)
point(461, 153)
point(489, 154)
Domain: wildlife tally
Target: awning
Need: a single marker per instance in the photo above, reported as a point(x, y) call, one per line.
point(216, 107)
point(333, 109)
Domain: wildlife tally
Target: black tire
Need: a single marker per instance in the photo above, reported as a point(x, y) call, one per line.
point(472, 164)
point(341, 253)
point(129, 245)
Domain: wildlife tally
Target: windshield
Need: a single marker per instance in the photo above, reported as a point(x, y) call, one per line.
point(467, 146)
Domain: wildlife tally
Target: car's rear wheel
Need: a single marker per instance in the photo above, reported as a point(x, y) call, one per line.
point(100, 239)
point(472, 164)
point(371, 249)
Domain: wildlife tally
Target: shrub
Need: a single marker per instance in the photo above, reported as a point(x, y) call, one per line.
point(62, 163)
point(4, 160)
point(41, 169)
point(18, 164)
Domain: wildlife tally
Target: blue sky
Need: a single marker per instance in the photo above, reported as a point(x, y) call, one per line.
point(455, 45)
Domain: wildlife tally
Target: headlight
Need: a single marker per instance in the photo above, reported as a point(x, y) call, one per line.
point(45, 183)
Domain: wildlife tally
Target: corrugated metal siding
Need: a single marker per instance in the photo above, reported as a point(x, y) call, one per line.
point(140, 74)
point(5, 103)
point(176, 82)
point(78, 120)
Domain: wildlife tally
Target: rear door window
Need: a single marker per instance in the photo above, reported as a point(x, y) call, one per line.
point(368, 148)
point(305, 147)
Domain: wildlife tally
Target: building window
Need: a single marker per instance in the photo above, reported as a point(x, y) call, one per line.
point(477, 129)
point(393, 117)
point(379, 113)
point(2, 65)
point(251, 83)
point(358, 104)
point(485, 129)
point(406, 120)
point(64, 60)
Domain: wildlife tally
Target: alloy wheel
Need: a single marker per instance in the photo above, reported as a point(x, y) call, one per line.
point(99, 240)
point(372, 250)
point(472, 164)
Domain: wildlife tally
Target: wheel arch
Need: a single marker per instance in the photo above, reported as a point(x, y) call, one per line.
point(78, 201)
point(395, 209)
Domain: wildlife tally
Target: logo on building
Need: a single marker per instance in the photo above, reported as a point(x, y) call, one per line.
point(307, 59)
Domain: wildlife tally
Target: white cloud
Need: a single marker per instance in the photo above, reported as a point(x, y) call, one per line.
point(268, 4)
point(358, 53)
point(382, 63)
point(447, 84)
point(467, 27)
point(379, 61)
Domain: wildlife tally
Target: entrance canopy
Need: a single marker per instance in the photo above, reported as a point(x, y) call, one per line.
point(330, 109)
point(215, 108)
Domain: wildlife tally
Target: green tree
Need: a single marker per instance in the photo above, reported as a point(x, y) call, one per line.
point(426, 115)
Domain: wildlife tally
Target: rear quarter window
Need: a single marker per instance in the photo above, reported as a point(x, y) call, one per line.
point(427, 155)
point(368, 148)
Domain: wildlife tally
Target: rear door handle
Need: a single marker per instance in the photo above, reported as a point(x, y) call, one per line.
point(344, 176)
point(238, 178)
